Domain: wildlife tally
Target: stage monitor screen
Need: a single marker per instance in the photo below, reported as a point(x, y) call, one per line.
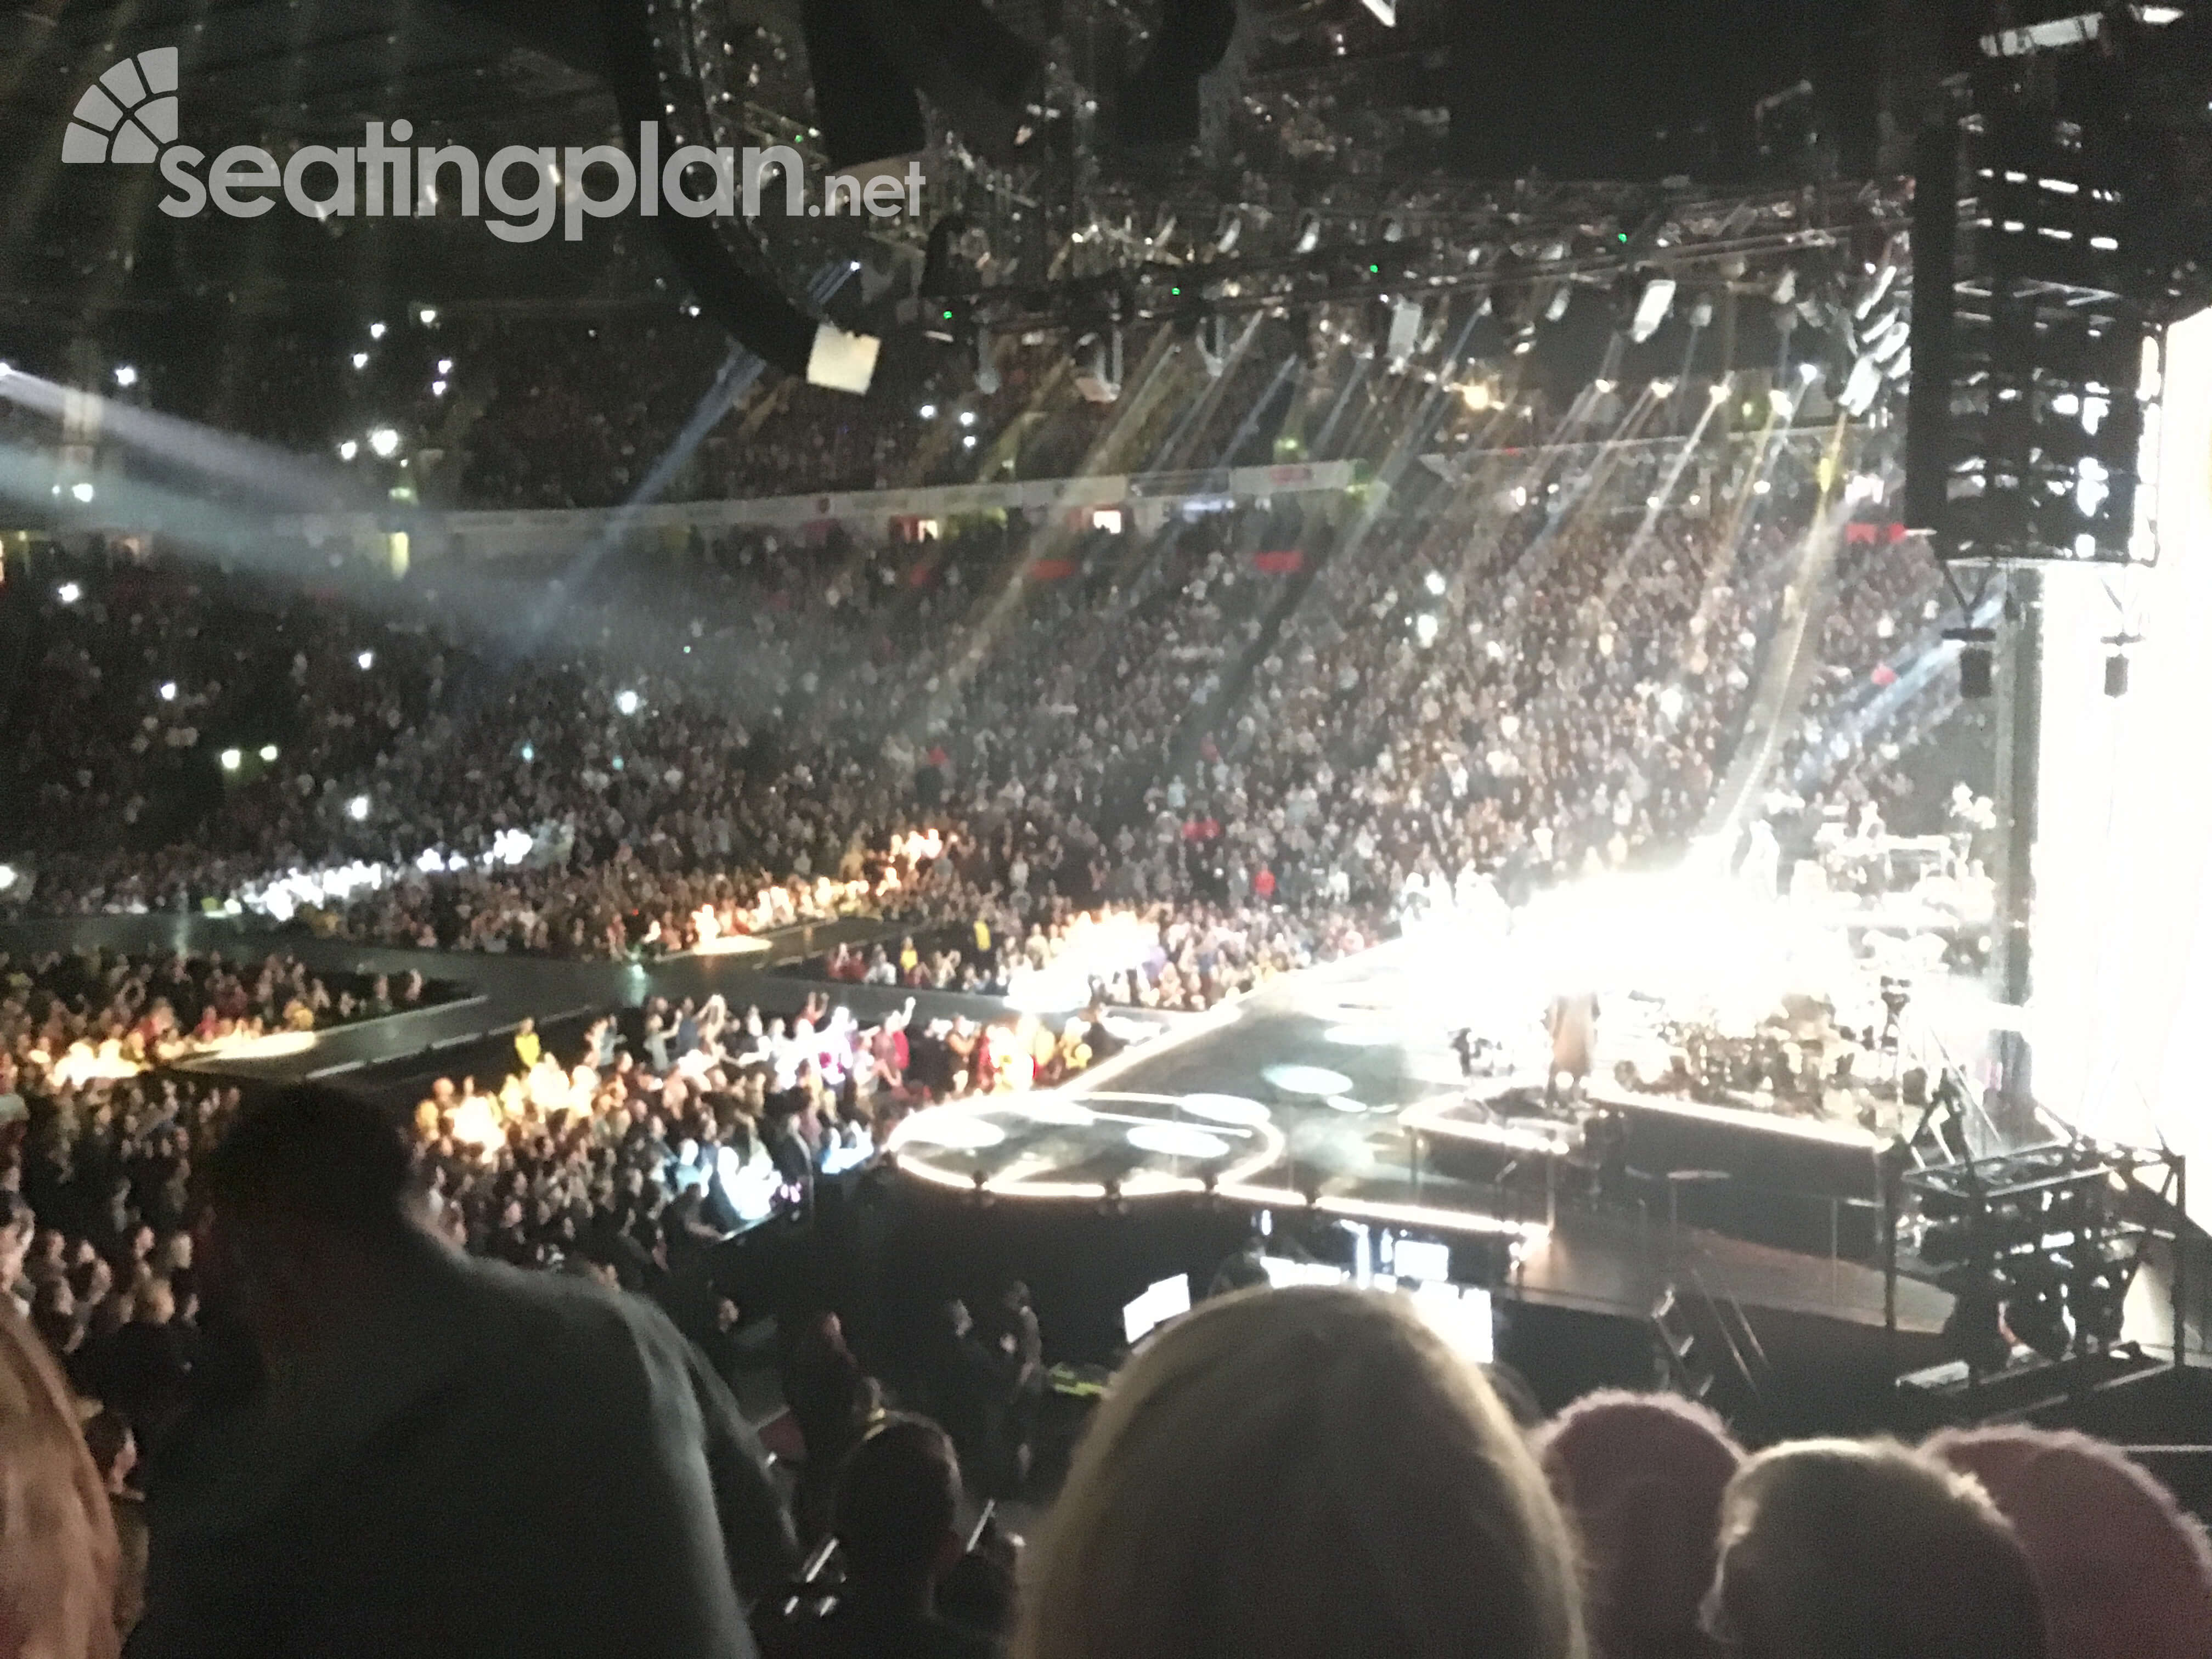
point(1462, 1316)
point(1282, 1271)
point(1421, 1258)
point(1160, 1302)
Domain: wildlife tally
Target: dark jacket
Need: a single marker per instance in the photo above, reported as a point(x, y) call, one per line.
point(498, 1463)
point(861, 1632)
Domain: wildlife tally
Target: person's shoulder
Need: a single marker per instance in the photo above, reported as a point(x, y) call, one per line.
point(562, 1311)
point(845, 1635)
point(949, 1641)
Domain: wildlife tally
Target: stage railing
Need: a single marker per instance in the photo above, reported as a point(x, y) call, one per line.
point(1746, 1352)
point(1532, 1183)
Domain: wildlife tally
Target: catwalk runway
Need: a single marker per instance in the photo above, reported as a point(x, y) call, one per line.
point(500, 990)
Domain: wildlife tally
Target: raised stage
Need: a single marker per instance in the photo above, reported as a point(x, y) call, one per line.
point(1338, 1089)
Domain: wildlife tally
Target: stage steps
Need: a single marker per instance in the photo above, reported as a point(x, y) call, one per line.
point(1710, 1353)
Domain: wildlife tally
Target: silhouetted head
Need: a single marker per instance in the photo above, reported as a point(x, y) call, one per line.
point(310, 1193)
point(1303, 1473)
point(1850, 1549)
point(2124, 1573)
point(898, 1501)
point(1642, 1476)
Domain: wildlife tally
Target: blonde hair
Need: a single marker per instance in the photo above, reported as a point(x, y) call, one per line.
point(58, 1553)
point(154, 1300)
point(1849, 1549)
point(1303, 1473)
point(1641, 1478)
point(2137, 1584)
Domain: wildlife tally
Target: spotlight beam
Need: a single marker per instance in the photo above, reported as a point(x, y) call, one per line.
point(278, 477)
point(1201, 408)
point(740, 370)
point(1786, 679)
point(27, 475)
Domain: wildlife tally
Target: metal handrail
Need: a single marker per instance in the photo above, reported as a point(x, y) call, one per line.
point(1969, 1097)
point(811, 1574)
point(1743, 1324)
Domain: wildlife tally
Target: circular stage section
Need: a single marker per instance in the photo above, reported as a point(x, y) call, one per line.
point(1306, 1085)
point(1092, 1146)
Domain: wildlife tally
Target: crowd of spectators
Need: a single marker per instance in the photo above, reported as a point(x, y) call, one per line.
point(549, 436)
point(1565, 702)
point(588, 410)
point(1159, 955)
point(656, 791)
point(1232, 1493)
point(1887, 612)
point(638, 1156)
point(97, 1013)
point(537, 411)
point(97, 1253)
point(1262, 732)
point(639, 1153)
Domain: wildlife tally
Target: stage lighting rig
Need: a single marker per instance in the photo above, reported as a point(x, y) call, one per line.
point(2040, 1244)
point(948, 320)
point(1100, 382)
point(1046, 176)
point(1651, 308)
point(1478, 243)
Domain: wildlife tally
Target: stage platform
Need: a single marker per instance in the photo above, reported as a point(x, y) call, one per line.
point(1347, 1074)
point(1323, 1088)
point(1338, 1089)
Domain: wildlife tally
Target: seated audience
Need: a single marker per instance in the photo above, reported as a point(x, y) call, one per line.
point(416, 1452)
point(2124, 1573)
point(1845, 1549)
point(1127, 766)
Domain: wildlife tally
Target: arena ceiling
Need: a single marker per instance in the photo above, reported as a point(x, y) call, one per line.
point(278, 73)
point(1318, 96)
point(1319, 113)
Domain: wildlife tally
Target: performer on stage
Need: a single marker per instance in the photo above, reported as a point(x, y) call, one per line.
point(1572, 1021)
